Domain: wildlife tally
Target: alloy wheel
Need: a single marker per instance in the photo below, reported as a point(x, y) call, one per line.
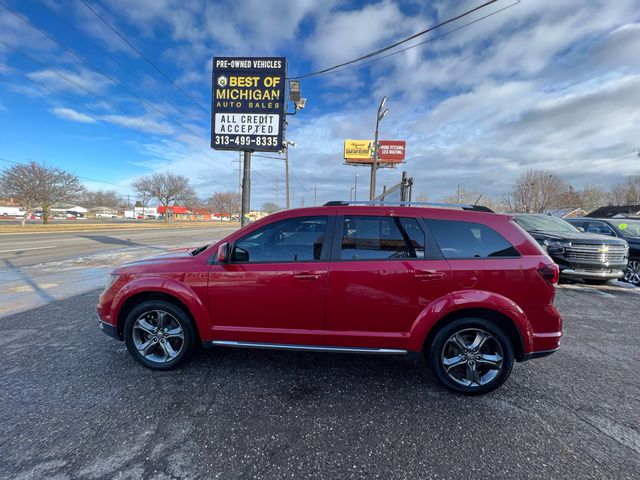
point(472, 357)
point(158, 336)
point(632, 275)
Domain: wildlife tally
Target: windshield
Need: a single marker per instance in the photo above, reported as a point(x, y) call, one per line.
point(544, 223)
point(628, 228)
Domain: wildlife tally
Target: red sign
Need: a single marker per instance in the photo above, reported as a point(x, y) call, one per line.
point(391, 151)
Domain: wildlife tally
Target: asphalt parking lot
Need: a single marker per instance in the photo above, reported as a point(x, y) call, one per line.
point(75, 405)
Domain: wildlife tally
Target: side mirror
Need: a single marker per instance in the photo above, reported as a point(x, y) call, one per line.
point(222, 255)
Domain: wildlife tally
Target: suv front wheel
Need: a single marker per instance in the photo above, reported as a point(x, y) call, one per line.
point(159, 335)
point(471, 356)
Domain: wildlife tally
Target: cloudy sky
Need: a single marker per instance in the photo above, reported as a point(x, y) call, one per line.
point(541, 84)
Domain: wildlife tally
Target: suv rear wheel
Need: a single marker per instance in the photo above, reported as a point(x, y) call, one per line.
point(471, 356)
point(159, 335)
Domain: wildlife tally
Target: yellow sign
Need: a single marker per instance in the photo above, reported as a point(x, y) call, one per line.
point(358, 150)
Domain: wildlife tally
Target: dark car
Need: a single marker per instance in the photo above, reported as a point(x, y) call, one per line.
point(627, 229)
point(470, 290)
point(591, 257)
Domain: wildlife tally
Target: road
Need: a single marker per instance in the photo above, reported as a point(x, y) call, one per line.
point(38, 268)
point(75, 405)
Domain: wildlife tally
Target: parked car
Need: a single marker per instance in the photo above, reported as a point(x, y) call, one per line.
point(626, 229)
point(593, 258)
point(468, 289)
point(106, 215)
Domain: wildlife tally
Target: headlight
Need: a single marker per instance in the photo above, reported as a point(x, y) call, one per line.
point(111, 279)
point(556, 243)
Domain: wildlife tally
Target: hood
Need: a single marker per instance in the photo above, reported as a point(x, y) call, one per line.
point(577, 237)
point(177, 255)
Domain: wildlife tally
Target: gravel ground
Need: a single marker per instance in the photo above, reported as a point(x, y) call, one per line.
point(73, 404)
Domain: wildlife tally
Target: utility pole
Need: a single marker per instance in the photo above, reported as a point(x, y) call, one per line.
point(239, 162)
point(246, 189)
point(315, 195)
point(287, 143)
point(277, 198)
point(355, 188)
point(374, 166)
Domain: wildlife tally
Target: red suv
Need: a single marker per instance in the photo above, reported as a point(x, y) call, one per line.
point(469, 289)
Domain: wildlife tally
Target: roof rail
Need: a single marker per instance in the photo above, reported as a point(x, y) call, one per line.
point(344, 203)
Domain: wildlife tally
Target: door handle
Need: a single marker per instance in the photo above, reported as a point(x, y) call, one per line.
point(426, 276)
point(306, 276)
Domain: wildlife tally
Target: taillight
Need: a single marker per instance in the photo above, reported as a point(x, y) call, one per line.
point(551, 273)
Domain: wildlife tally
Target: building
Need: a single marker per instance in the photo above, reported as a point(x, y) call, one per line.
point(177, 212)
point(616, 211)
point(567, 212)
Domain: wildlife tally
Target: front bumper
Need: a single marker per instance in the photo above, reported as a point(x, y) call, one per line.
point(577, 272)
point(110, 330)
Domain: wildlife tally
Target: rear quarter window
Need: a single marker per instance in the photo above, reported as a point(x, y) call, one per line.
point(469, 240)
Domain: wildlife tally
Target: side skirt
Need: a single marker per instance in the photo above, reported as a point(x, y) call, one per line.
point(304, 348)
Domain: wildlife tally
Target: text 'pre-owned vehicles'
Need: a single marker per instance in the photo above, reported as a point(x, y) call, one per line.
point(627, 229)
point(593, 258)
point(469, 289)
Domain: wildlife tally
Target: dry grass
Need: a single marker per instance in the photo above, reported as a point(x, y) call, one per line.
point(82, 226)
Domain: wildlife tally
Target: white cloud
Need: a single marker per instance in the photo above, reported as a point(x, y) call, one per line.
point(70, 114)
point(343, 35)
point(82, 81)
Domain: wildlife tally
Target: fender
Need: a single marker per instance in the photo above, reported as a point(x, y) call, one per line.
point(466, 299)
point(168, 286)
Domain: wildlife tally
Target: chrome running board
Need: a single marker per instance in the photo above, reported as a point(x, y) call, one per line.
point(307, 348)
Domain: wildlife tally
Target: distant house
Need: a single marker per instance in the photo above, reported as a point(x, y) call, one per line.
point(616, 211)
point(176, 212)
point(567, 212)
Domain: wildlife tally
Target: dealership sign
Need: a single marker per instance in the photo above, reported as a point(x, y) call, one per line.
point(361, 151)
point(248, 103)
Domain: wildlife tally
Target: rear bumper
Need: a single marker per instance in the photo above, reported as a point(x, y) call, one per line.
point(540, 354)
point(109, 329)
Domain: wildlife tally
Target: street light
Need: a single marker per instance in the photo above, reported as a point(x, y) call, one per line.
point(286, 167)
point(374, 166)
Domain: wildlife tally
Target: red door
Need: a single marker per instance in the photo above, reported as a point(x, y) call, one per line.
point(273, 291)
point(380, 280)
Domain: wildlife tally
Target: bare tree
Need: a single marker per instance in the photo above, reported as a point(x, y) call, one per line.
point(471, 197)
point(270, 207)
point(195, 204)
point(225, 203)
point(593, 196)
point(35, 185)
point(627, 192)
point(536, 192)
point(166, 188)
point(102, 198)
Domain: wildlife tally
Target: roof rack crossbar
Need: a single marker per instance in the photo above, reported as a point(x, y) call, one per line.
point(463, 206)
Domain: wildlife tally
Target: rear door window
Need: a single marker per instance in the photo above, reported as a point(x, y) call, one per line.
point(469, 240)
point(383, 238)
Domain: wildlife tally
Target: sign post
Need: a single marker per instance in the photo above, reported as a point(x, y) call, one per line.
point(248, 110)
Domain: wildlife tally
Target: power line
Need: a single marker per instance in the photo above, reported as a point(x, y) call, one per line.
point(421, 43)
point(134, 48)
point(112, 58)
point(392, 46)
point(93, 67)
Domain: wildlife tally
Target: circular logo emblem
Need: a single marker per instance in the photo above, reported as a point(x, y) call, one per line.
point(222, 81)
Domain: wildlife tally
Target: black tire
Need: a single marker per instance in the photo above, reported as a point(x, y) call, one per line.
point(148, 311)
point(491, 373)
